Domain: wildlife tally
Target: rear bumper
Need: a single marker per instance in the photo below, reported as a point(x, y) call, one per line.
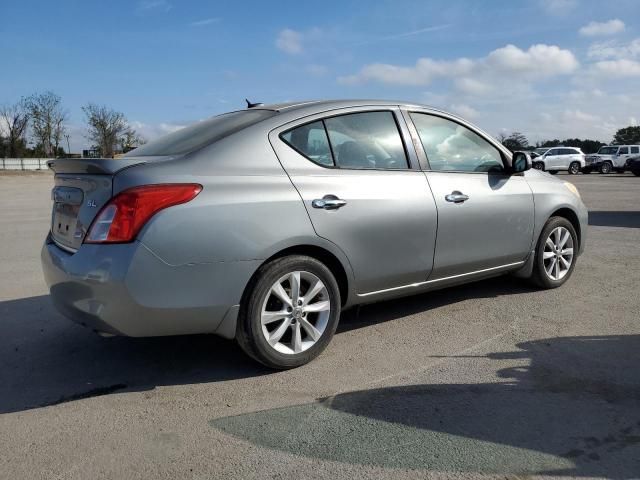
point(125, 289)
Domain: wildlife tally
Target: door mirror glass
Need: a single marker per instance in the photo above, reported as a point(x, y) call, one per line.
point(520, 162)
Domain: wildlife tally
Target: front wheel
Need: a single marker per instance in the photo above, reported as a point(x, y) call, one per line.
point(289, 313)
point(574, 168)
point(606, 167)
point(538, 165)
point(553, 172)
point(556, 253)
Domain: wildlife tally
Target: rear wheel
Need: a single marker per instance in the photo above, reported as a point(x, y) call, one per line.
point(290, 312)
point(538, 165)
point(574, 168)
point(553, 172)
point(606, 167)
point(555, 254)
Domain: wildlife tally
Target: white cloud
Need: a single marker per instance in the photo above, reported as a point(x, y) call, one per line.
point(596, 29)
point(612, 49)
point(202, 23)
point(148, 6)
point(424, 71)
point(538, 61)
point(472, 86)
point(464, 111)
point(578, 116)
point(617, 68)
point(289, 41)
point(558, 7)
point(153, 131)
point(317, 70)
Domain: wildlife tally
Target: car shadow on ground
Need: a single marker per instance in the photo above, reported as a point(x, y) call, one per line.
point(626, 219)
point(572, 408)
point(46, 359)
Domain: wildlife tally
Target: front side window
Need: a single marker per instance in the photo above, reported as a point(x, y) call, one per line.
point(452, 147)
point(368, 140)
point(608, 150)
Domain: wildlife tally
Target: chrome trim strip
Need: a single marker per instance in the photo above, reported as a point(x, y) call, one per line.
point(419, 284)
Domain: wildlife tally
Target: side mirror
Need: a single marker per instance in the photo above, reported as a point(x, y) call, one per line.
point(520, 162)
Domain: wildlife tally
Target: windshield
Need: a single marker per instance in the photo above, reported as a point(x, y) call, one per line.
point(201, 134)
point(608, 150)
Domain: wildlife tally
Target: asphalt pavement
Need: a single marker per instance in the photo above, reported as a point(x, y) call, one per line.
point(490, 380)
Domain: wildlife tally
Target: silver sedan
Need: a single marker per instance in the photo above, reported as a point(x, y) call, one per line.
point(264, 224)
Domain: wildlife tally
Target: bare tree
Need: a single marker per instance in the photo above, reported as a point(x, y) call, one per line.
point(130, 140)
point(47, 121)
point(14, 120)
point(107, 128)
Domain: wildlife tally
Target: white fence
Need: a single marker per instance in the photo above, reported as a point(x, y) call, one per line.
point(23, 163)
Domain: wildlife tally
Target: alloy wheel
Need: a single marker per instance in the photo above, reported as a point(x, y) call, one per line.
point(295, 312)
point(558, 253)
point(574, 168)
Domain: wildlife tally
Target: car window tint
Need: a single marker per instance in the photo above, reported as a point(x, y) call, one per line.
point(311, 141)
point(452, 147)
point(624, 150)
point(635, 149)
point(366, 140)
point(568, 151)
point(201, 134)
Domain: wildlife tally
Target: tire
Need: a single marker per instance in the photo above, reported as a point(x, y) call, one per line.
point(541, 276)
point(538, 166)
point(606, 167)
point(553, 172)
point(259, 300)
point(574, 168)
point(636, 172)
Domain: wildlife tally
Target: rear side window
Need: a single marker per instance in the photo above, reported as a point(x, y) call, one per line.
point(568, 151)
point(311, 141)
point(368, 140)
point(201, 134)
point(635, 149)
point(624, 150)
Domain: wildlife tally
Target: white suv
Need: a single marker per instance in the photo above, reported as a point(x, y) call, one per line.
point(611, 157)
point(555, 159)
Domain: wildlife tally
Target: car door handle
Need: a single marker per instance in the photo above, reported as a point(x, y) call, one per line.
point(328, 202)
point(456, 197)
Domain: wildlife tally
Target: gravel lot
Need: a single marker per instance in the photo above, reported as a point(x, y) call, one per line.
point(493, 379)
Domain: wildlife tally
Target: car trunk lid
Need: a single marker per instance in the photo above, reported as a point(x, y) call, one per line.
point(82, 188)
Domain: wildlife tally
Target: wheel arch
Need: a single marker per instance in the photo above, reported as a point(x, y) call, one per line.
point(569, 214)
point(342, 273)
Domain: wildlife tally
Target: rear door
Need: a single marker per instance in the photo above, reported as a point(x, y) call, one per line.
point(485, 215)
point(552, 159)
point(364, 192)
point(623, 155)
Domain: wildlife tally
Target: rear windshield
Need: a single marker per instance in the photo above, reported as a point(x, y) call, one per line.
point(201, 134)
point(608, 150)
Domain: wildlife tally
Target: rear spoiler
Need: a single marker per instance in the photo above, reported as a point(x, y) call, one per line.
point(96, 166)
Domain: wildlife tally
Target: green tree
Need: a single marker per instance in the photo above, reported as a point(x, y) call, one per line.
point(515, 141)
point(627, 136)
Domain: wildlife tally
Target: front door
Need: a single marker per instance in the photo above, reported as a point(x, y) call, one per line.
point(485, 215)
point(364, 194)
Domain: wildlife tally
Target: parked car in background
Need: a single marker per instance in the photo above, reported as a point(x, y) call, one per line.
point(553, 160)
point(264, 224)
point(633, 164)
point(611, 158)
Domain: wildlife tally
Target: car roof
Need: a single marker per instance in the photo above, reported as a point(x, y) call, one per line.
point(324, 104)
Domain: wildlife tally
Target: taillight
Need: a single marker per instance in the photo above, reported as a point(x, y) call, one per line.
point(121, 219)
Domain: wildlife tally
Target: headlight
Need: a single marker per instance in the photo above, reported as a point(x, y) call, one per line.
point(572, 188)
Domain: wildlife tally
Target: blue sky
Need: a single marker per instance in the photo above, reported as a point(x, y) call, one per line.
point(548, 68)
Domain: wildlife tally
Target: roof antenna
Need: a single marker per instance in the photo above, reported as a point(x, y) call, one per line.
point(252, 105)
